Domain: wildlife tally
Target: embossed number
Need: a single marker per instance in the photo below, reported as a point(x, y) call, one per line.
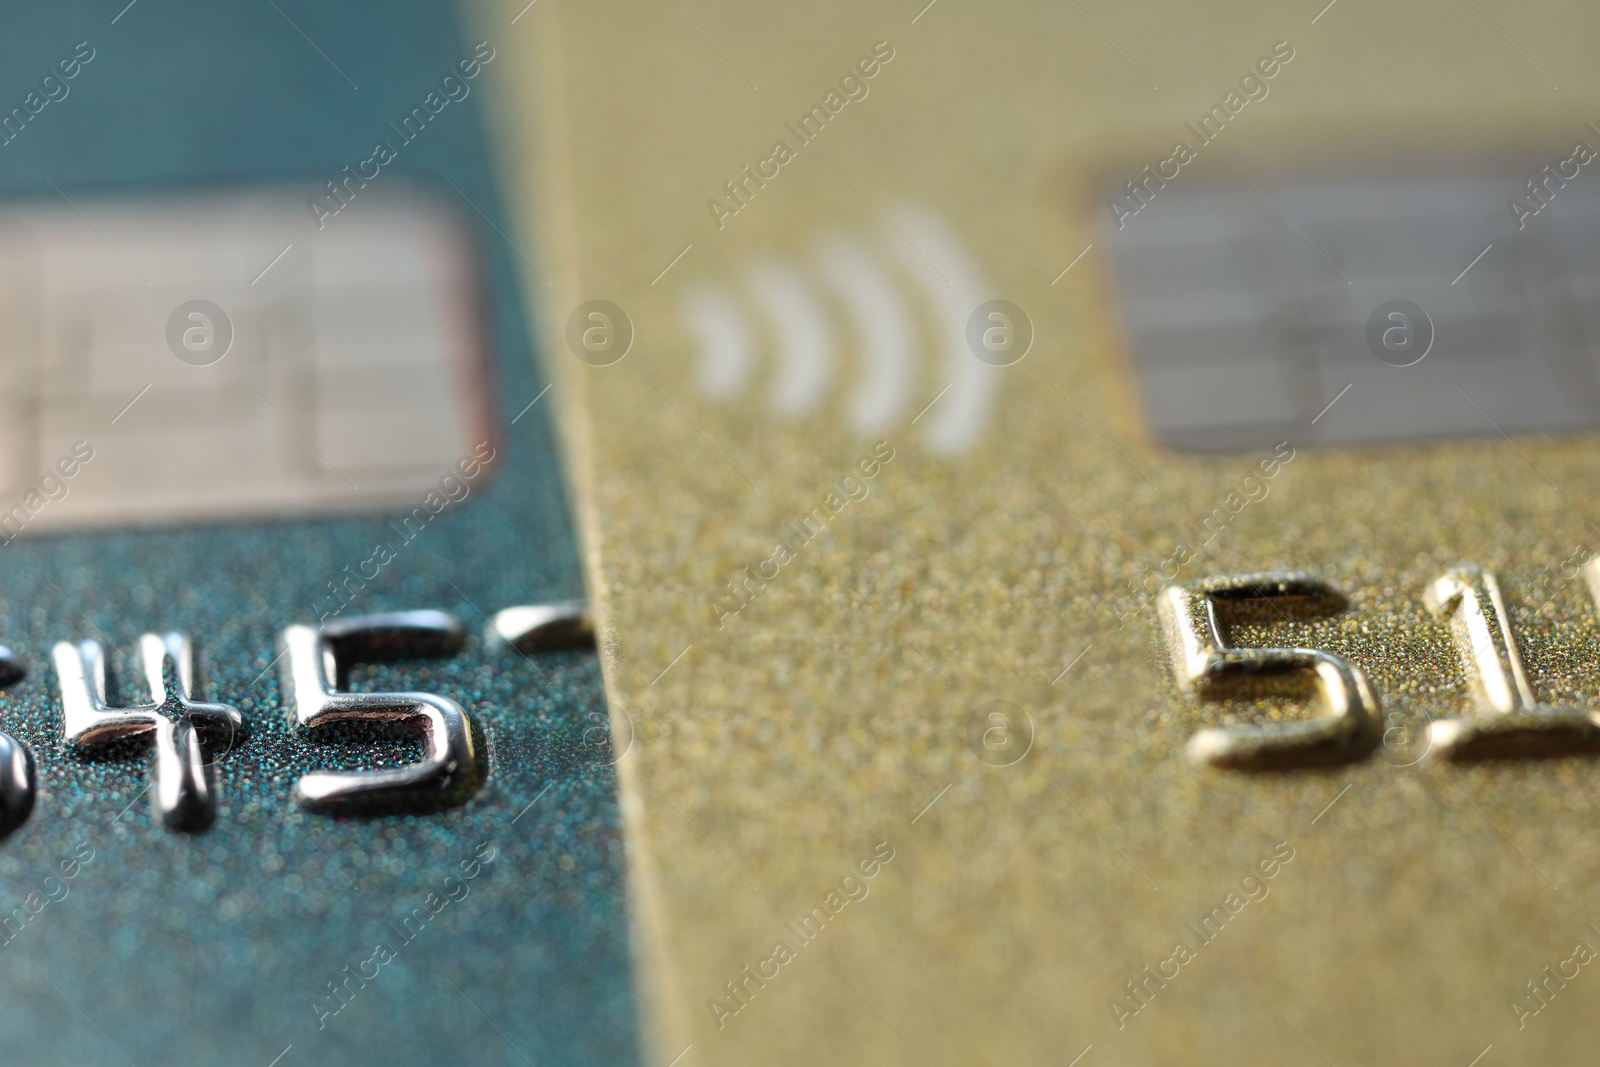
point(1508, 720)
point(313, 658)
point(1196, 617)
point(16, 760)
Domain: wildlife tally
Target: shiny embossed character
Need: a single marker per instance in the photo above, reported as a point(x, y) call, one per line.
point(314, 661)
point(182, 727)
point(16, 761)
point(1195, 617)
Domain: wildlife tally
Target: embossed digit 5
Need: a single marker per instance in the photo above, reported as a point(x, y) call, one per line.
point(1196, 618)
point(313, 660)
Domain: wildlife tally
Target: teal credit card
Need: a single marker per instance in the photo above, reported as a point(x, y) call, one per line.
point(304, 756)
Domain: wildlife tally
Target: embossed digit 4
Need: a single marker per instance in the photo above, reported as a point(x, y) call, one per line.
point(1196, 616)
point(179, 723)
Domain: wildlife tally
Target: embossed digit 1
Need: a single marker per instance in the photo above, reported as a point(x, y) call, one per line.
point(1509, 721)
point(1196, 618)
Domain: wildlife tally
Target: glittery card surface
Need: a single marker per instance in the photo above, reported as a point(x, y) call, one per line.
point(909, 779)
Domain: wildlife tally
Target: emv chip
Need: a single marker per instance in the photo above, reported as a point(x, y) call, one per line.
point(1250, 306)
point(220, 356)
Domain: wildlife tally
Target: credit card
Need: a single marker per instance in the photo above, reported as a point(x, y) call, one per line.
point(1088, 510)
point(303, 756)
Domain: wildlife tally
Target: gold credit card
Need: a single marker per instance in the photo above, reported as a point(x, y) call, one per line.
point(1090, 516)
